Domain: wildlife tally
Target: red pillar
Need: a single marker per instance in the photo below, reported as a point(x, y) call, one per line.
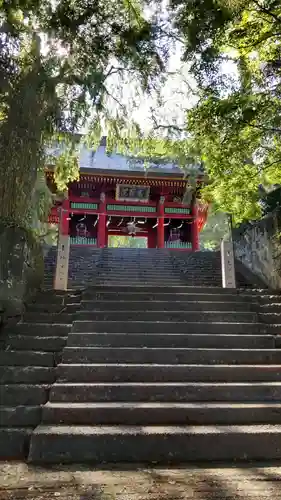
point(160, 227)
point(151, 240)
point(102, 222)
point(64, 219)
point(194, 229)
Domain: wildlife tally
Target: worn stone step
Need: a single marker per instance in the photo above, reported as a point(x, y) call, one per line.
point(53, 308)
point(273, 306)
point(157, 289)
point(150, 274)
point(146, 276)
point(23, 394)
point(171, 340)
point(166, 297)
point(31, 343)
point(40, 330)
point(170, 327)
point(119, 372)
point(14, 443)
point(173, 392)
point(161, 413)
point(277, 342)
point(272, 317)
point(168, 316)
point(25, 358)
point(178, 355)
point(273, 329)
point(20, 416)
point(168, 444)
point(175, 305)
point(63, 299)
point(139, 283)
point(265, 300)
point(34, 317)
point(27, 375)
point(137, 270)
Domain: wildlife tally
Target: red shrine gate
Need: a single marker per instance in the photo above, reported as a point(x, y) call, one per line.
point(101, 204)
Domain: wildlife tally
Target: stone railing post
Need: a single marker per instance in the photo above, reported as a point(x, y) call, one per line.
point(61, 275)
point(227, 264)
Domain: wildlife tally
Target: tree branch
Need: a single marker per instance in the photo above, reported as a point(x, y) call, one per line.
point(157, 126)
point(267, 11)
point(268, 129)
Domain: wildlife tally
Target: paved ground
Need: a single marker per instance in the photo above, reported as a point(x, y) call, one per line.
point(24, 482)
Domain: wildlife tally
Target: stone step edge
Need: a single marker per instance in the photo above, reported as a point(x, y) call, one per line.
point(166, 349)
point(147, 405)
point(166, 365)
point(84, 430)
point(163, 384)
point(163, 301)
point(172, 323)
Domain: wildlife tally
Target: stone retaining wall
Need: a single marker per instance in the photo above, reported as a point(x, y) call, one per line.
point(258, 247)
point(21, 269)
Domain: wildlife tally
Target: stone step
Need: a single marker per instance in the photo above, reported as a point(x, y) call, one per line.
point(150, 269)
point(277, 342)
point(170, 327)
point(157, 289)
point(175, 305)
point(161, 413)
point(167, 316)
point(178, 355)
point(27, 375)
point(139, 283)
point(61, 318)
point(167, 373)
point(174, 444)
point(23, 394)
point(155, 270)
point(170, 340)
point(136, 296)
point(20, 416)
point(53, 308)
point(40, 330)
point(273, 329)
point(272, 317)
point(14, 442)
point(26, 358)
point(271, 307)
point(31, 343)
point(163, 392)
point(49, 298)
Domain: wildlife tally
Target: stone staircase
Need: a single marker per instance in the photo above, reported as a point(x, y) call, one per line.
point(88, 266)
point(50, 260)
point(29, 354)
point(151, 370)
point(142, 266)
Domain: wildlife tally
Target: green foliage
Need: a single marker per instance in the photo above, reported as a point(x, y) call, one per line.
point(55, 61)
point(116, 241)
point(234, 50)
point(214, 230)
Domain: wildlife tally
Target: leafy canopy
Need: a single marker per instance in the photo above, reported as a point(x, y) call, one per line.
point(233, 48)
point(235, 54)
point(56, 58)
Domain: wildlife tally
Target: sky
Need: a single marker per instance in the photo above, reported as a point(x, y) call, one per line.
point(174, 93)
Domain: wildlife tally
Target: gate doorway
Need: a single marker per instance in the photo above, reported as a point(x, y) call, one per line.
point(116, 241)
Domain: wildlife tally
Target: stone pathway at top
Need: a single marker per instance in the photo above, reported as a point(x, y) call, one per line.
point(20, 481)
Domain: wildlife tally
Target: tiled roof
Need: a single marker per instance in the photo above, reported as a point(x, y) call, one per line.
point(90, 159)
